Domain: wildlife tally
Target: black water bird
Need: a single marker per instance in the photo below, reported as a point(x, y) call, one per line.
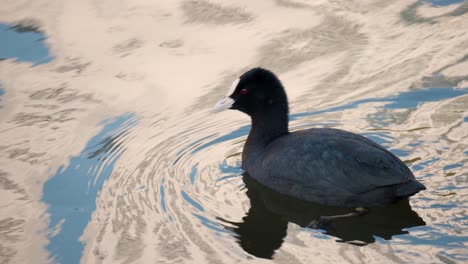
point(321, 165)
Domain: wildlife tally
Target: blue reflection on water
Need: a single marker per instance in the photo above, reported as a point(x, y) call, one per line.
point(412, 99)
point(225, 168)
point(380, 138)
point(162, 193)
point(443, 2)
point(404, 100)
point(193, 174)
point(2, 92)
point(191, 201)
point(23, 45)
point(453, 166)
point(423, 164)
point(211, 224)
point(400, 152)
point(71, 193)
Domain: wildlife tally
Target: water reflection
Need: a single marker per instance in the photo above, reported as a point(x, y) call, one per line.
point(443, 2)
point(263, 229)
point(2, 92)
point(23, 43)
point(71, 193)
point(405, 100)
point(393, 71)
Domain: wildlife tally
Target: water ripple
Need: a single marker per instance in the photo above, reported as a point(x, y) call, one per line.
point(71, 193)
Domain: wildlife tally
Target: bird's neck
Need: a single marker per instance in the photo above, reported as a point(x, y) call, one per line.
point(266, 127)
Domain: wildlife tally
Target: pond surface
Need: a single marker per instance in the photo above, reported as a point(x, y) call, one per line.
point(23, 43)
point(109, 152)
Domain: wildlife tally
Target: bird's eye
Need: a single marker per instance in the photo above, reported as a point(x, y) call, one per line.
point(243, 91)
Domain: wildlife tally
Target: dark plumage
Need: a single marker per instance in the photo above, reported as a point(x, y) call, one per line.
point(322, 165)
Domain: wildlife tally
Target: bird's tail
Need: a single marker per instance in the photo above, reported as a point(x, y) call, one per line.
point(409, 188)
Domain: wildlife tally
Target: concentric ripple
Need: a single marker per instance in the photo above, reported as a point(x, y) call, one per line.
point(183, 190)
point(71, 193)
point(82, 182)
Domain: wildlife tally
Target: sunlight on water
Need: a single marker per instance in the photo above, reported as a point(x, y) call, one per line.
point(164, 184)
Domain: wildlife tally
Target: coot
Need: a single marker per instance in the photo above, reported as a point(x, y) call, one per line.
point(321, 165)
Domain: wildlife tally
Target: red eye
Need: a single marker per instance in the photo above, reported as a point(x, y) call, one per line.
point(243, 91)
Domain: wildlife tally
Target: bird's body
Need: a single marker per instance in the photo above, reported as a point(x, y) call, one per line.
point(333, 167)
point(322, 165)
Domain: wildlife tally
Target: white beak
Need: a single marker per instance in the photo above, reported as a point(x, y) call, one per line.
point(223, 104)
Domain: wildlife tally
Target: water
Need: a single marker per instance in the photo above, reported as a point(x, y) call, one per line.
point(71, 193)
point(23, 43)
point(109, 152)
point(444, 2)
point(1, 93)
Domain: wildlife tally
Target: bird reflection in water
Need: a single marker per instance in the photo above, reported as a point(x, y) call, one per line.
point(264, 227)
